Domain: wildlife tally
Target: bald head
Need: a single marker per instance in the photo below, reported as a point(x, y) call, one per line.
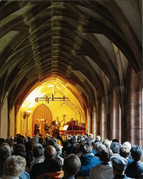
point(50, 152)
point(71, 165)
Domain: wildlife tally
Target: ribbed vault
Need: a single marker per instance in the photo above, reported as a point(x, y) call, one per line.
point(91, 44)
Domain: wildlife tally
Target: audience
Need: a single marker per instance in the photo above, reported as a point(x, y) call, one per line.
point(19, 149)
point(5, 152)
point(59, 152)
point(38, 153)
point(125, 152)
point(135, 168)
point(80, 156)
point(115, 147)
point(71, 166)
point(104, 170)
point(13, 167)
point(50, 164)
point(119, 166)
point(107, 143)
point(88, 161)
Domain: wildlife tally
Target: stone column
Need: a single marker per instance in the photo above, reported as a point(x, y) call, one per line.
point(88, 125)
point(103, 122)
point(141, 117)
point(98, 113)
point(4, 120)
point(94, 132)
point(12, 122)
point(134, 110)
point(115, 123)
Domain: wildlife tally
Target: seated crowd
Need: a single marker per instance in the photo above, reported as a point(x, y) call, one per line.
point(77, 157)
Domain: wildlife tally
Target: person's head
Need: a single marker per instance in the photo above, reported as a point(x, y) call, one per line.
point(85, 148)
point(72, 140)
point(41, 141)
point(38, 151)
point(98, 138)
point(136, 153)
point(50, 152)
point(52, 141)
point(90, 136)
point(96, 144)
point(100, 148)
point(107, 143)
point(14, 166)
point(127, 144)
point(36, 139)
point(2, 141)
point(105, 156)
point(58, 149)
point(5, 152)
point(115, 147)
point(20, 139)
point(115, 140)
point(124, 151)
point(29, 145)
point(19, 149)
point(119, 165)
point(71, 165)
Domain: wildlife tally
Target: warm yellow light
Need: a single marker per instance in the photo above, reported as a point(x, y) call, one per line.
point(50, 91)
point(30, 100)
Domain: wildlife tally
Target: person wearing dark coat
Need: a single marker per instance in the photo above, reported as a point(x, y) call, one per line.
point(71, 166)
point(135, 169)
point(88, 160)
point(50, 164)
point(119, 166)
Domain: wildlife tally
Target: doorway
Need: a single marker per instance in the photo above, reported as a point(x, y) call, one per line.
point(40, 115)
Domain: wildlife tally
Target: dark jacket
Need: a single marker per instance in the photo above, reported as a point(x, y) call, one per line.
point(47, 166)
point(120, 176)
point(134, 169)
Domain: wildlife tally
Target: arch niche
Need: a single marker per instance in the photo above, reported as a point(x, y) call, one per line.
point(41, 114)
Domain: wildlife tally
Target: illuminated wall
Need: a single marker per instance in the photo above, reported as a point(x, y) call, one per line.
point(67, 105)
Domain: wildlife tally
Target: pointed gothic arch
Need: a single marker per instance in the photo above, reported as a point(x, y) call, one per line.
point(41, 113)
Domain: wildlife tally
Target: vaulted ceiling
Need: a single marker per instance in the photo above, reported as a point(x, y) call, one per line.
point(90, 44)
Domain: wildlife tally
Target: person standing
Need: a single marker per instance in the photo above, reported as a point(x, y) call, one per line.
point(46, 127)
point(36, 127)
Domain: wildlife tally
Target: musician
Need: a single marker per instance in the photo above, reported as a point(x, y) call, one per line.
point(46, 127)
point(56, 131)
point(37, 127)
point(72, 124)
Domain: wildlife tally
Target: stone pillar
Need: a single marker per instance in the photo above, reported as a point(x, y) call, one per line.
point(4, 120)
point(94, 132)
point(98, 113)
point(115, 123)
point(88, 125)
point(12, 122)
point(141, 117)
point(134, 117)
point(103, 122)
